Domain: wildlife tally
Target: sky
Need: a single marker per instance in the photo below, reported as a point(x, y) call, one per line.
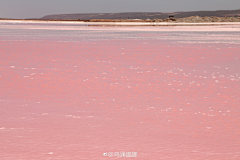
point(40, 8)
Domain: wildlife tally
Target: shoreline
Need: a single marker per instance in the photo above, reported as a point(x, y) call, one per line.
point(121, 23)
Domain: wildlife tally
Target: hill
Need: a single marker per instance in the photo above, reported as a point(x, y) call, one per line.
point(143, 15)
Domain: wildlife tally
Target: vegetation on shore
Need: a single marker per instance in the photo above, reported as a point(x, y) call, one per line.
point(183, 17)
point(144, 15)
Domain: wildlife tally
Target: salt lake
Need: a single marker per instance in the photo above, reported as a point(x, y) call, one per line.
point(70, 91)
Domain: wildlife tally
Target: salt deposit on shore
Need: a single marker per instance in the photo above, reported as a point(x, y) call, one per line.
point(123, 23)
point(123, 26)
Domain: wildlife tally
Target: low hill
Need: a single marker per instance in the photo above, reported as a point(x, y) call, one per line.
point(143, 15)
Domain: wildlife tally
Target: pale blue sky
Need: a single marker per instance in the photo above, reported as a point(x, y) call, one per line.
point(40, 8)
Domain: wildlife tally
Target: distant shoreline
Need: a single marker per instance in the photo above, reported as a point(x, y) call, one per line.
point(143, 16)
point(122, 23)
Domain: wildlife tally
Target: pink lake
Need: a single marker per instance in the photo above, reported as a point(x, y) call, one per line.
point(70, 92)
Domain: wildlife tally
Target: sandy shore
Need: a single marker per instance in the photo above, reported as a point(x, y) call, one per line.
point(122, 23)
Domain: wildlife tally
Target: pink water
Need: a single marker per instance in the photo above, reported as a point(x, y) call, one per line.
point(76, 94)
